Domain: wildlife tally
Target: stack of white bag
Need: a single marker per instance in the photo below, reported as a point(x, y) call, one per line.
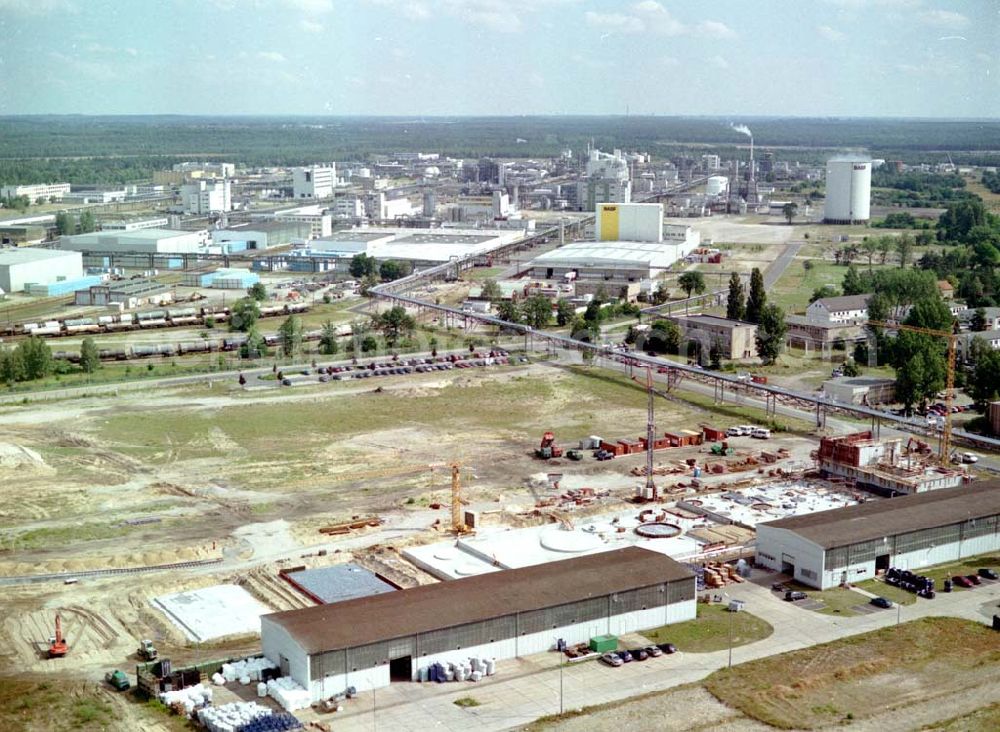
point(249, 669)
point(288, 694)
point(190, 698)
point(231, 716)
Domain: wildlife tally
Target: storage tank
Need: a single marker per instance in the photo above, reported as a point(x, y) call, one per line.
point(848, 190)
point(716, 185)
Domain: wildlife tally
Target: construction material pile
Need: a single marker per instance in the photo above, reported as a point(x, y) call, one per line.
point(185, 701)
point(232, 717)
point(245, 671)
point(472, 669)
point(675, 469)
point(720, 575)
point(288, 693)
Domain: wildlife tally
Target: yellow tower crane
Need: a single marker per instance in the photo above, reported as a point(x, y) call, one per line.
point(457, 523)
point(945, 446)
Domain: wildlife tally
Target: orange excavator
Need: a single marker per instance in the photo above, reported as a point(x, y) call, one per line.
point(58, 646)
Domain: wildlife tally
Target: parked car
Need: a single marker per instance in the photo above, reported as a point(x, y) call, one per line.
point(624, 656)
point(882, 602)
point(974, 579)
point(639, 654)
point(735, 432)
point(667, 648)
point(761, 433)
point(961, 581)
point(653, 651)
point(778, 587)
point(795, 595)
point(988, 573)
point(612, 659)
point(969, 457)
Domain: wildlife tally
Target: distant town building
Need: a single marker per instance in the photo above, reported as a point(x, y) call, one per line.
point(204, 197)
point(841, 309)
point(38, 192)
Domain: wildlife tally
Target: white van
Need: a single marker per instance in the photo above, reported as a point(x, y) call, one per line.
point(761, 433)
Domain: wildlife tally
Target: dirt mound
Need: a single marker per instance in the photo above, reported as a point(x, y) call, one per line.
point(17, 456)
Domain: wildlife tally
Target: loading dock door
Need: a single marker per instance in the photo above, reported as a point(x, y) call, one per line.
point(881, 562)
point(787, 564)
point(401, 669)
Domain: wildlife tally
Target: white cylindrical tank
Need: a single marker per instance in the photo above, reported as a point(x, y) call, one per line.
point(716, 185)
point(848, 190)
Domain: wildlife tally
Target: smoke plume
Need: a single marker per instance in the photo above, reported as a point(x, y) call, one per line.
point(742, 129)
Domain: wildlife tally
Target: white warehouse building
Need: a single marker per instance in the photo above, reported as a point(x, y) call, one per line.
point(144, 241)
point(851, 544)
point(315, 181)
point(629, 222)
point(27, 265)
point(848, 191)
point(370, 642)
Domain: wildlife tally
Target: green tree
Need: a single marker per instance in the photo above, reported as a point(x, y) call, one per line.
point(11, 366)
point(904, 249)
point(870, 248)
point(394, 323)
point(254, 346)
point(369, 344)
point(391, 270)
point(692, 282)
point(565, 312)
point(594, 312)
point(955, 224)
point(851, 368)
point(328, 339)
point(664, 337)
point(257, 291)
point(771, 330)
point(65, 224)
point(789, 210)
point(736, 304)
point(87, 223)
point(825, 291)
point(978, 323)
point(290, 333)
point(715, 355)
point(36, 358)
point(90, 357)
point(510, 311)
point(491, 291)
point(919, 358)
point(984, 386)
point(244, 314)
point(885, 246)
point(757, 299)
point(362, 266)
point(852, 284)
point(537, 311)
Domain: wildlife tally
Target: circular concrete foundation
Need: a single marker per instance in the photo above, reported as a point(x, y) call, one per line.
point(658, 530)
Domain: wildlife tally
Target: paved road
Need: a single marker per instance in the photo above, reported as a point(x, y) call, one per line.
point(779, 265)
point(525, 689)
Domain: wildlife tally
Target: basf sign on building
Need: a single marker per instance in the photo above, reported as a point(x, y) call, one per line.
point(629, 222)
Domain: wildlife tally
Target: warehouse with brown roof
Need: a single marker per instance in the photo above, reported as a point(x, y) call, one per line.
point(828, 548)
point(371, 641)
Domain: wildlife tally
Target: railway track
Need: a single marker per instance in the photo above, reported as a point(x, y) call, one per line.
point(63, 576)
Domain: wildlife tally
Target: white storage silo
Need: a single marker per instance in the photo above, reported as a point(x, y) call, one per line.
point(716, 185)
point(848, 191)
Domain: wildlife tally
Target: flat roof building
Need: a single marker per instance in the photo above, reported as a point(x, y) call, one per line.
point(737, 338)
point(613, 261)
point(369, 642)
point(143, 241)
point(828, 548)
point(26, 266)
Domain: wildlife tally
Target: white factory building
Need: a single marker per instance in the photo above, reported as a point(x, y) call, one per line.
point(371, 642)
point(629, 222)
point(143, 241)
point(37, 191)
point(315, 181)
point(27, 265)
point(851, 544)
point(202, 197)
point(420, 246)
point(848, 191)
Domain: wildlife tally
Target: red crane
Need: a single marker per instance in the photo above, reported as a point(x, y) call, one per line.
point(57, 646)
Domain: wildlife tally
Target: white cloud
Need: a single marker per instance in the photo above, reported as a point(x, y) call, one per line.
point(668, 61)
point(718, 62)
point(943, 18)
point(310, 26)
point(415, 11)
point(715, 29)
point(131, 51)
point(830, 34)
point(274, 56)
point(37, 7)
point(659, 19)
point(311, 7)
point(908, 68)
point(614, 22)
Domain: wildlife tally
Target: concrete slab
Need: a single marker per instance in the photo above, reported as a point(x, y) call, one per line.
point(339, 582)
point(213, 612)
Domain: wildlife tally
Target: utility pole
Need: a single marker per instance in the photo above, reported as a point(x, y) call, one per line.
point(650, 436)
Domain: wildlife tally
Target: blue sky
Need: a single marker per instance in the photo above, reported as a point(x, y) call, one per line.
point(934, 58)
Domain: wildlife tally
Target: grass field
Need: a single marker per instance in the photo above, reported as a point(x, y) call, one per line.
point(854, 678)
point(796, 284)
point(898, 596)
point(710, 630)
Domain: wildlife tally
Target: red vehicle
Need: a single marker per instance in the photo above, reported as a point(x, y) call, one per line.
point(962, 581)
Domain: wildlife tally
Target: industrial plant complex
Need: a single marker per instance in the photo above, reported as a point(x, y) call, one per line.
point(405, 435)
